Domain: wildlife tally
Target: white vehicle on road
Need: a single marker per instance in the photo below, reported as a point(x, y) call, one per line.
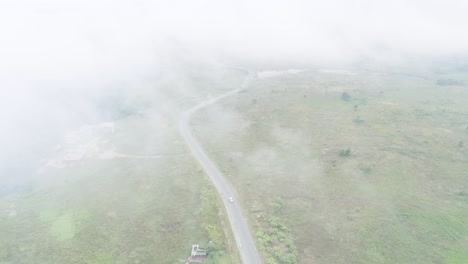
point(240, 229)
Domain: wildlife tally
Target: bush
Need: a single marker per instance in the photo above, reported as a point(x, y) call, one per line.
point(345, 96)
point(345, 152)
point(277, 204)
point(366, 170)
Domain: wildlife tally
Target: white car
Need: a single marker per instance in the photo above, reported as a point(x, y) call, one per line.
point(231, 200)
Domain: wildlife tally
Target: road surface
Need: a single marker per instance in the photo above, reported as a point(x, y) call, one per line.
point(244, 241)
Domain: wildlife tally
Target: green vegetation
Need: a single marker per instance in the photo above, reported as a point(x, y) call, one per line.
point(220, 237)
point(366, 169)
point(123, 209)
point(345, 152)
point(398, 195)
point(457, 257)
point(68, 225)
point(274, 238)
point(345, 96)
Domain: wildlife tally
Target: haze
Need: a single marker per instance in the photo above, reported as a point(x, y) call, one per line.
point(65, 64)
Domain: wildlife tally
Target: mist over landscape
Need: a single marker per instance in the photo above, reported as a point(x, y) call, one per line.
point(323, 131)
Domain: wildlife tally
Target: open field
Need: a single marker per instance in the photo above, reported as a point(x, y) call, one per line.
point(120, 210)
point(115, 193)
point(380, 177)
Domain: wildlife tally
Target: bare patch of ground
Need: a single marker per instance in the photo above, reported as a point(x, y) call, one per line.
point(87, 141)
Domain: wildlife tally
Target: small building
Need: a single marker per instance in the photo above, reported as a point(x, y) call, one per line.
point(197, 252)
point(198, 255)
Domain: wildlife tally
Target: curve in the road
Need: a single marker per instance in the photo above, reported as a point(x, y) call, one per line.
point(243, 237)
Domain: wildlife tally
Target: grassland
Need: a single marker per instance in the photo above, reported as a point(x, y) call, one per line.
point(122, 207)
point(116, 211)
point(379, 178)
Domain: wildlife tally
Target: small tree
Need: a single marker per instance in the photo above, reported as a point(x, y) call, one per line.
point(345, 96)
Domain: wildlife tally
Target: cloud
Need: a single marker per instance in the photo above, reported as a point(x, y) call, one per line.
point(71, 39)
point(58, 57)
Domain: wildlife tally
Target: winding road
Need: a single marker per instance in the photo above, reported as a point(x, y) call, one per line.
point(240, 229)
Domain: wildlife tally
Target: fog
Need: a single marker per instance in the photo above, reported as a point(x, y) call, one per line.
point(59, 60)
point(95, 166)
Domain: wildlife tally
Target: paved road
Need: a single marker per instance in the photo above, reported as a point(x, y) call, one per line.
point(245, 243)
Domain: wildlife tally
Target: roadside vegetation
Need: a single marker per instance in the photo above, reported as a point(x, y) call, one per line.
point(273, 235)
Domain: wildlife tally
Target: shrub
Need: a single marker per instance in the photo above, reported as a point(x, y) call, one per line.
point(345, 152)
point(366, 170)
point(345, 96)
point(277, 204)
